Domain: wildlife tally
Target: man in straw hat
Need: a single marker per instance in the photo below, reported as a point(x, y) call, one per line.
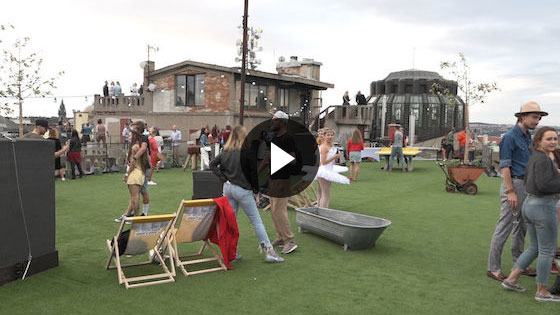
point(515, 151)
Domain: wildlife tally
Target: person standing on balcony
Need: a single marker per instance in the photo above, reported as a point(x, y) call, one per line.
point(361, 99)
point(515, 153)
point(106, 89)
point(112, 89)
point(118, 89)
point(175, 142)
point(101, 133)
point(86, 133)
point(134, 89)
point(346, 99)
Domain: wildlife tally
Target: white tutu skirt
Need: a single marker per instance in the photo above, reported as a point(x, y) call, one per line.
point(340, 169)
point(332, 176)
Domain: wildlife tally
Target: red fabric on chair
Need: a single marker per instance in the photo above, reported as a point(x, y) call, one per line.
point(224, 231)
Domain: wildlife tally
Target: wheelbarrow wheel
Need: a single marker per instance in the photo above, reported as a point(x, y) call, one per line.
point(450, 188)
point(471, 189)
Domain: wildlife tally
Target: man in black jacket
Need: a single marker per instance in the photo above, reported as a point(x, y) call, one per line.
point(361, 99)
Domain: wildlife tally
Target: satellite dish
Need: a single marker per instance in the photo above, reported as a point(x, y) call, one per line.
point(152, 87)
point(143, 64)
point(281, 59)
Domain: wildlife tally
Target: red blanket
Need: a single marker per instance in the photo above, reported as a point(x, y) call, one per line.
point(224, 231)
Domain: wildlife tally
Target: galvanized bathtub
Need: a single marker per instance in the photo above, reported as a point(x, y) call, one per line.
point(353, 230)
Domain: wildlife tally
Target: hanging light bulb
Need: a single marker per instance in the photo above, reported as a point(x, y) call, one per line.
point(55, 99)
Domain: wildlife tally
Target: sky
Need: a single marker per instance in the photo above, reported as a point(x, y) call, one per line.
point(514, 43)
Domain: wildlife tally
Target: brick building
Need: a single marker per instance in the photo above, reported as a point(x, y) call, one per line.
point(192, 94)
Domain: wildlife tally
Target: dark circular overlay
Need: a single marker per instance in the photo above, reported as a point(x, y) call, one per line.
point(294, 139)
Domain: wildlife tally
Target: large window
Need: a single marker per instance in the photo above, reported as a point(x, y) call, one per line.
point(283, 101)
point(397, 109)
point(189, 90)
point(255, 95)
point(416, 109)
point(449, 112)
point(433, 111)
point(459, 121)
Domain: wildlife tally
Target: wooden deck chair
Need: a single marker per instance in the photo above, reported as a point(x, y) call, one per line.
point(148, 234)
point(193, 221)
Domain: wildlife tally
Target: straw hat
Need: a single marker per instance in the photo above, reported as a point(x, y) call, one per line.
point(531, 107)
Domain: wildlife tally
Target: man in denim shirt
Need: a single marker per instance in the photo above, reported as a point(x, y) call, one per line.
point(515, 151)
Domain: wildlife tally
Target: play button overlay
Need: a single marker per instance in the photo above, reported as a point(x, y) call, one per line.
point(278, 158)
point(284, 153)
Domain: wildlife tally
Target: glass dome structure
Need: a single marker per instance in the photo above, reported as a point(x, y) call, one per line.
point(408, 93)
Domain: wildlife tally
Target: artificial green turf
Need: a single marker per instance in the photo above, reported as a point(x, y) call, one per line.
point(431, 260)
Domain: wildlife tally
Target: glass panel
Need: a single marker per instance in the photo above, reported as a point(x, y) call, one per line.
point(180, 90)
point(190, 90)
point(247, 94)
point(199, 92)
point(262, 96)
point(449, 112)
point(434, 115)
point(397, 112)
point(416, 110)
point(460, 109)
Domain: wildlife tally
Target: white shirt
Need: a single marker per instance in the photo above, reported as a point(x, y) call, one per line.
point(175, 137)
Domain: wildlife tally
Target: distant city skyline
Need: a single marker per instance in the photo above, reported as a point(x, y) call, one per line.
point(514, 43)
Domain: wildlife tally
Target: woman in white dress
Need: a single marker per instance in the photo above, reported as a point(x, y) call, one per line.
point(327, 172)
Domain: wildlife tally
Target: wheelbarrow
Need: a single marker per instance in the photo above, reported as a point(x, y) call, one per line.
point(461, 178)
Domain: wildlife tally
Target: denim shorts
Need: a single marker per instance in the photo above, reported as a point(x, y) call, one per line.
point(355, 156)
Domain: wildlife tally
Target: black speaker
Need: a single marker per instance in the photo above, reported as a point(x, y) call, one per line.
point(206, 185)
point(35, 179)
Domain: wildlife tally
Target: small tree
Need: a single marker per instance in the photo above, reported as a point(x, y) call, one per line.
point(21, 77)
point(471, 92)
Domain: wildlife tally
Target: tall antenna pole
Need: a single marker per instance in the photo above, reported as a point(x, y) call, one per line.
point(243, 64)
point(413, 56)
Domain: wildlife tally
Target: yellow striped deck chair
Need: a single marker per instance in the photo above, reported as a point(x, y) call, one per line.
point(148, 235)
point(193, 221)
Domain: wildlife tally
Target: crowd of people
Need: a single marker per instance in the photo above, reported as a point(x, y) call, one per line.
point(529, 193)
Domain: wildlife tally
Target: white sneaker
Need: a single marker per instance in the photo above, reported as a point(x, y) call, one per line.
point(152, 183)
point(273, 258)
point(119, 219)
point(64, 178)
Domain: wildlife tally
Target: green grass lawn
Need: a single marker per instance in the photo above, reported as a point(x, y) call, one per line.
point(431, 260)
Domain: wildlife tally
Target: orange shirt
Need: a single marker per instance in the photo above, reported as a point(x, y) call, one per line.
point(462, 137)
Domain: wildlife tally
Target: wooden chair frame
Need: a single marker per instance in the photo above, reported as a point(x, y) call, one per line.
point(184, 260)
point(162, 242)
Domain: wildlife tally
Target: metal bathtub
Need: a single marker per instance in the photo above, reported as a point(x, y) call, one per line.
point(353, 230)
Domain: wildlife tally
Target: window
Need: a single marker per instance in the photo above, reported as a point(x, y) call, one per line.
point(459, 121)
point(449, 112)
point(397, 110)
point(283, 101)
point(416, 109)
point(189, 90)
point(433, 111)
point(256, 95)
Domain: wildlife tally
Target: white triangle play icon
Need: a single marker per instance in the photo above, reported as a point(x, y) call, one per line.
point(278, 158)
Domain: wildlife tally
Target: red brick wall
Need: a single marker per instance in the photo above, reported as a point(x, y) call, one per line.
point(216, 90)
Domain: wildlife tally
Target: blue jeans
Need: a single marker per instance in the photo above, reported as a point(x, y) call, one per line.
point(397, 151)
point(539, 213)
point(239, 196)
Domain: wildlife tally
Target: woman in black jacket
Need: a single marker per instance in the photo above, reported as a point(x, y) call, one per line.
point(75, 154)
point(542, 183)
point(237, 168)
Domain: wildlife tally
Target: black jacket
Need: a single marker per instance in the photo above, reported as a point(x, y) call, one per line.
point(238, 167)
point(541, 177)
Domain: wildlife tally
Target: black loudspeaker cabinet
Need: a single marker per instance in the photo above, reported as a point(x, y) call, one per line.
point(35, 169)
point(206, 185)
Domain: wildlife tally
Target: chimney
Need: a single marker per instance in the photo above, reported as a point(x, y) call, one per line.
point(306, 68)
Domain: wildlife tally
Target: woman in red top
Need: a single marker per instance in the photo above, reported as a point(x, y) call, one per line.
point(154, 154)
point(354, 149)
